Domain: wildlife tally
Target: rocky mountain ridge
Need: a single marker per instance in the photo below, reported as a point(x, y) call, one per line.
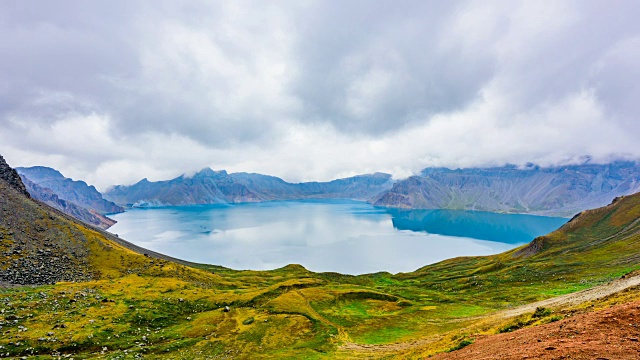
point(553, 191)
point(72, 197)
point(50, 198)
point(75, 191)
point(219, 187)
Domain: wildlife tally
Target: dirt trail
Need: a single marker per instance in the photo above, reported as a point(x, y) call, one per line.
point(395, 347)
point(576, 298)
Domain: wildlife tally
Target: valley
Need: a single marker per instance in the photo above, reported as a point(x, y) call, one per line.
point(133, 302)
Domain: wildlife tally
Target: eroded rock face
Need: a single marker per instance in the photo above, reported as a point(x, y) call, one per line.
point(50, 198)
point(553, 191)
point(8, 174)
point(74, 191)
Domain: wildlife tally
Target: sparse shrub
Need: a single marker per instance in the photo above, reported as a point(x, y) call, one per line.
point(541, 312)
point(461, 344)
point(515, 325)
point(555, 318)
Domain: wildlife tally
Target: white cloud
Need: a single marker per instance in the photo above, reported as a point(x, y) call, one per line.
point(307, 92)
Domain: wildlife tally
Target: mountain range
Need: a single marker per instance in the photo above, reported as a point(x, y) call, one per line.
point(219, 187)
point(72, 197)
point(552, 191)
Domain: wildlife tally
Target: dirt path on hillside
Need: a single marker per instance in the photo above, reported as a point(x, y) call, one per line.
point(395, 347)
point(576, 298)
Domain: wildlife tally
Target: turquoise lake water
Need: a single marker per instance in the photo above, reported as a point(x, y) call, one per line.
point(325, 235)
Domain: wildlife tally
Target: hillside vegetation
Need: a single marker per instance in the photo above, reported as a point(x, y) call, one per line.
point(114, 300)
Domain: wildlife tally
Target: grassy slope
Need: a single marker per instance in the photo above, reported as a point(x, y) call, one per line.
point(162, 309)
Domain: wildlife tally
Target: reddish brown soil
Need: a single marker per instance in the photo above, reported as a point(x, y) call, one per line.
point(612, 333)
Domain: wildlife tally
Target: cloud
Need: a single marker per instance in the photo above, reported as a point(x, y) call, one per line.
point(112, 92)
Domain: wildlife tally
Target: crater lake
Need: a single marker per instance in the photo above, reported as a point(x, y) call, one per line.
point(343, 236)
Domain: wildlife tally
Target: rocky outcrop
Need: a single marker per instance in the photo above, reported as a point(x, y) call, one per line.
point(77, 192)
point(553, 191)
point(42, 265)
point(11, 177)
point(219, 187)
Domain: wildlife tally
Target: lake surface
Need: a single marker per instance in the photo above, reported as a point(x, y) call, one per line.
point(325, 235)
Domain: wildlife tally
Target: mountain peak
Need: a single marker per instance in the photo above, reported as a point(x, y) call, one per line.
point(209, 172)
point(40, 173)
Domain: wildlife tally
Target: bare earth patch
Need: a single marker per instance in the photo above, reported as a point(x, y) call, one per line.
point(612, 333)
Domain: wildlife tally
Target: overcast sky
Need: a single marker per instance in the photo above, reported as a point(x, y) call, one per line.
point(114, 91)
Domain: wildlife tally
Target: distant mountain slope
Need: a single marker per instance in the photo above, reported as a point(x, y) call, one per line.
point(77, 192)
point(205, 187)
point(360, 187)
point(557, 191)
point(219, 187)
point(50, 198)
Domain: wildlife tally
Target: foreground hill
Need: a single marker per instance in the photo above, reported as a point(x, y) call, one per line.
point(115, 300)
point(553, 191)
point(40, 245)
point(219, 187)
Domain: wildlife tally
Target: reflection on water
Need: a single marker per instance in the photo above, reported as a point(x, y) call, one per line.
point(329, 235)
point(506, 228)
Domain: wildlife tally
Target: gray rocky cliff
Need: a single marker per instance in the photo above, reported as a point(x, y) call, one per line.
point(553, 191)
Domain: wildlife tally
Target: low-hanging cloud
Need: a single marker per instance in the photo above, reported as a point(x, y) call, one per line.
point(112, 92)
